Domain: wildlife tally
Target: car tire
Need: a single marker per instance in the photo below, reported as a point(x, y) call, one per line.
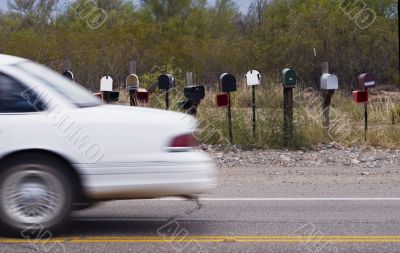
point(35, 194)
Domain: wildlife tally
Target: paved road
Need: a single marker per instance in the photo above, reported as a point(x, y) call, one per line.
point(244, 214)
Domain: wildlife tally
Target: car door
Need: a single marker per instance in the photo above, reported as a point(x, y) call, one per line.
point(18, 107)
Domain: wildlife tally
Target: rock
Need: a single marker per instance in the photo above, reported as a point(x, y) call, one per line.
point(219, 155)
point(329, 160)
point(285, 158)
point(365, 173)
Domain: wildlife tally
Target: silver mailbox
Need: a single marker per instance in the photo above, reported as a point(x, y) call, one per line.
point(329, 82)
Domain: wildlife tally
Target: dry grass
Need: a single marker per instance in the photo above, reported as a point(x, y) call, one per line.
point(347, 119)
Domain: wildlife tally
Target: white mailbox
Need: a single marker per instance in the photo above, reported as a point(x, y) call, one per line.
point(106, 84)
point(253, 77)
point(329, 82)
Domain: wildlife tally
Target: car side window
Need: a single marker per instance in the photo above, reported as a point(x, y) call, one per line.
point(16, 97)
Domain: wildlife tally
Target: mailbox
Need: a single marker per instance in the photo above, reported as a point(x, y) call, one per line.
point(253, 77)
point(366, 81)
point(360, 96)
point(166, 82)
point(227, 82)
point(222, 100)
point(289, 78)
point(185, 104)
point(329, 82)
point(143, 95)
point(113, 96)
point(195, 93)
point(132, 82)
point(106, 84)
point(69, 75)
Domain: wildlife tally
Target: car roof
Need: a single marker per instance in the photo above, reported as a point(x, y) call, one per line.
point(10, 60)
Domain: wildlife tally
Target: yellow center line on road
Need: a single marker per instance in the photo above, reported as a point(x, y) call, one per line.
point(211, 239)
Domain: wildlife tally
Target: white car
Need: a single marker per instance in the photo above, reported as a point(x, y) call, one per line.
point(60, 146)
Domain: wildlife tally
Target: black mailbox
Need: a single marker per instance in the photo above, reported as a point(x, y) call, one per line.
point(69, 75)
point(113, 96)
point(195, 93)
point(166, 82)
point(227, 82)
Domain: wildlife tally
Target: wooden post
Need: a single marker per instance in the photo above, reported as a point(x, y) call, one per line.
point(67, 64)
point(105, 96)
point(133, 98)
point(366, 118)
point(327, 98)
point(132, 93)
point(189, 82)
point(230, 119)
point(287, 116)
point(132, 67)
point(193, 109)
point(167, 99)
point(253, 87)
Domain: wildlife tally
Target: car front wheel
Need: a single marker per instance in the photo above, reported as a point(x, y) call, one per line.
point(34, 195)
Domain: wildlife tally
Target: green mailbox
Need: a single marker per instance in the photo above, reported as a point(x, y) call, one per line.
point(288, 78)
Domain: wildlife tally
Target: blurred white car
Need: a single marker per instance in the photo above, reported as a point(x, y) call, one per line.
point(59, 146)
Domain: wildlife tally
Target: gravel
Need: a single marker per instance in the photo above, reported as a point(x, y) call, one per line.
point(323, 155)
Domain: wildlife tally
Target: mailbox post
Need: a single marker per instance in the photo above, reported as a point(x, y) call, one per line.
point(166, 82)
point(67, 73)
point(132, 86)
point(289, 79)
point(227, 84)
point(106, 87)
point(194, 94)
point(329, 83)
point(253, 79)
point(366, 81)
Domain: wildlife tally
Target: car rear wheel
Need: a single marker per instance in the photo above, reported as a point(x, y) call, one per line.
point(34, 195)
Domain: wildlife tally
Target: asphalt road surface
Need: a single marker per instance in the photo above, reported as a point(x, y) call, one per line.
point(245, 213)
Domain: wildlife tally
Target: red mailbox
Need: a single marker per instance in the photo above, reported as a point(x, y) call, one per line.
point(143, 95)
point(360, 96)
point(222, 100)
point(366, 81)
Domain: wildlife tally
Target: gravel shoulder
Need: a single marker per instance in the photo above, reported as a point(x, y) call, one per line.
point(324, 171)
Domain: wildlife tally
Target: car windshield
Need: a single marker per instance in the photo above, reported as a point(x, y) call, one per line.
point(75, 93)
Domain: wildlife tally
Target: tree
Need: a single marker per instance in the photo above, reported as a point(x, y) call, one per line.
point(33, 11)
point(162, 10)
point(257, 9)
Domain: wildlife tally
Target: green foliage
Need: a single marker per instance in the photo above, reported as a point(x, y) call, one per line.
point(206, 39)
